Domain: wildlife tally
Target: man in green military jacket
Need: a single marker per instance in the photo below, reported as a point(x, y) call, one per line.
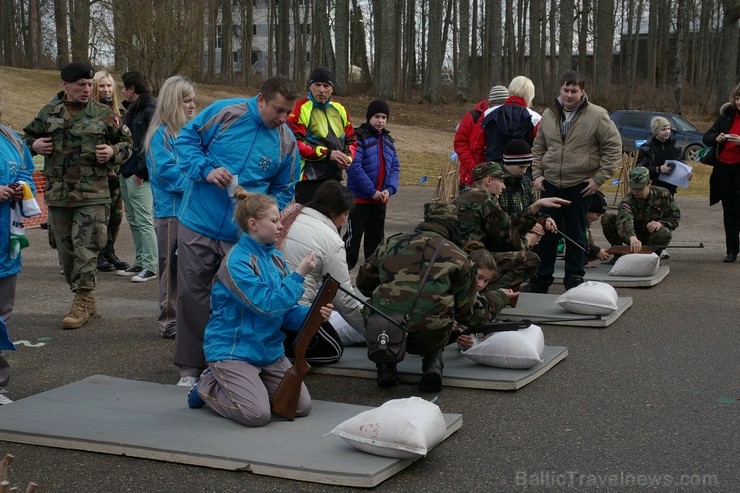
point(81, 142)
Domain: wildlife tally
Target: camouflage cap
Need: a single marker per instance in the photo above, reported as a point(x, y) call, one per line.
point(489, 168)
point(639, 177)
point(439, 211)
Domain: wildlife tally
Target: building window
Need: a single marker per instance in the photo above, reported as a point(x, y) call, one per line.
point(219, 36)
point(254, 29)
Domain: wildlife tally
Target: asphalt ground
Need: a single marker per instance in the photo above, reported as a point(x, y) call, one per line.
point(649, 403)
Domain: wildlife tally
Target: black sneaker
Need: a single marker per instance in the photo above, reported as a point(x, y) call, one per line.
point(144, 276)
point(130, 271)
point(104, 265)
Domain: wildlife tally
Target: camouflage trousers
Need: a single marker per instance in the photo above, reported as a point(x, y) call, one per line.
point(514, 268)
point(79, 235)
point(660, 238)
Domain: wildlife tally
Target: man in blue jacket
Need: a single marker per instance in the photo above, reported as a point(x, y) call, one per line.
point(231, 142)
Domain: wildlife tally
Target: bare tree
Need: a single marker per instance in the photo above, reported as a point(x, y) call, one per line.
point(536, 54)
point(583, 25)
point(678, 68)
point(341, 38)
point(62, 35)
point(300, 21)
point(728, 73)
point(430, 87)
point(461, 74)
point(604, 47)
point(79, 28)
point(409, 43)
point(246, 17)
point(34, 33)
point(565, 46)
point(227, 57)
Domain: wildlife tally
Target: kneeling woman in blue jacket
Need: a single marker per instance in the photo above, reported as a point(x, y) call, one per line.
point(253, 295)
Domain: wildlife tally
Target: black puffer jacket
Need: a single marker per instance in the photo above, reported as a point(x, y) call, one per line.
point(137, 118)
point(722, 125)
point(654, 154)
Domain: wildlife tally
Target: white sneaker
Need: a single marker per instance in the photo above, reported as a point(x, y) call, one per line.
point(187, 381)
point(664, 254)
point(4, 400)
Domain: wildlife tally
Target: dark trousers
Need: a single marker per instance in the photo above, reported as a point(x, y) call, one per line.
point(367, 220)
point(571, 220)
point(727, 181)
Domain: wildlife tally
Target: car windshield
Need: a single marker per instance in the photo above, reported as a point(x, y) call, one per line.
point(683, 125)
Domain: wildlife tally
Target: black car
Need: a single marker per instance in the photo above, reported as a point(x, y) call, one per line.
point(634, 125)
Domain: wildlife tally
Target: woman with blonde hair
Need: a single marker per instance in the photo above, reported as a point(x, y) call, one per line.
point(104, 92)
point(175, 107)
point(512, 120)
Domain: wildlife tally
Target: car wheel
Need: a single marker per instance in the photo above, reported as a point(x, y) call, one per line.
point(689, 154)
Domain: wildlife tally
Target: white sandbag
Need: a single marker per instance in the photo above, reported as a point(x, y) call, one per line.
point(589, 298)
point(517, 349)
point(636, 265)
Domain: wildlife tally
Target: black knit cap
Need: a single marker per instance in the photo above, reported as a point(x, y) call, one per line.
point(72, 72)
point(598, 203)
point(322, 74)
point(378, 106)
point(517, 152)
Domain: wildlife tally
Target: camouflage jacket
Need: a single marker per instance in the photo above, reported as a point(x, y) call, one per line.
point(483, 221)
point(634, 214)
point(391, 278)
point(73, 175)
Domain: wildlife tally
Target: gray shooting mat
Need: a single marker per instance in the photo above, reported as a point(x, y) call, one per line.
point(541, 308)
point(152, 421)
point(459, 371)
point(601, 273)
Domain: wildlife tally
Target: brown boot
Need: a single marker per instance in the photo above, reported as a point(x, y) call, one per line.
point(83, 306)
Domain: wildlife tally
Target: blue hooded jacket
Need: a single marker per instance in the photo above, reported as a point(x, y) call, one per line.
point(15, 164)
point(165, 178)
point(231, 134)
point(254, 294)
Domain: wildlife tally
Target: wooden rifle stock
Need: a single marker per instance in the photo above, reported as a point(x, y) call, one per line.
point(285, 400)
point(626, 250)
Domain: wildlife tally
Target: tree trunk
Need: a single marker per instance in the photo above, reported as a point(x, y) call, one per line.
point(565, 47)
point(79, 23)
point(227, 57)
point(462, 75)
point(604, 50)
point(430, 90)
point(509, 52)
point(34, 33)
point(583, 37)
point(728, 52)
point(385, 41)
point(246, 42)
point(61, 19)
point(212, 21)
point(496, 44)
point(410, 48)
point(341, 37)
point(678, 69)
point(283, 37)
point(536, 55)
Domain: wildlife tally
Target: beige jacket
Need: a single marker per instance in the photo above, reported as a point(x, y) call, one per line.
point(592, 147)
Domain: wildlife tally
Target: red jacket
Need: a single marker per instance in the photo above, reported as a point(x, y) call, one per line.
point(470, 142)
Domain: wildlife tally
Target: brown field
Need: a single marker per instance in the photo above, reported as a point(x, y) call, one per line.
point(423, 132)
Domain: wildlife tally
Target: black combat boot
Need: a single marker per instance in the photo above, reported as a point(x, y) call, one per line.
point(104, 265)
point(110, 255)
point(431, 367)
point(387, 375)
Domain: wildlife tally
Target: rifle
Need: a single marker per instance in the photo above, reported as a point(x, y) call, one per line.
point(285, 400)
point(541, 222)
point(626, 250)
point(496, 326)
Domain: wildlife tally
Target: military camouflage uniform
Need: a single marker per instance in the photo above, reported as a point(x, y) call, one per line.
point(484, 224)
point(634, 214)
point(391, 278)
point(77, 191)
